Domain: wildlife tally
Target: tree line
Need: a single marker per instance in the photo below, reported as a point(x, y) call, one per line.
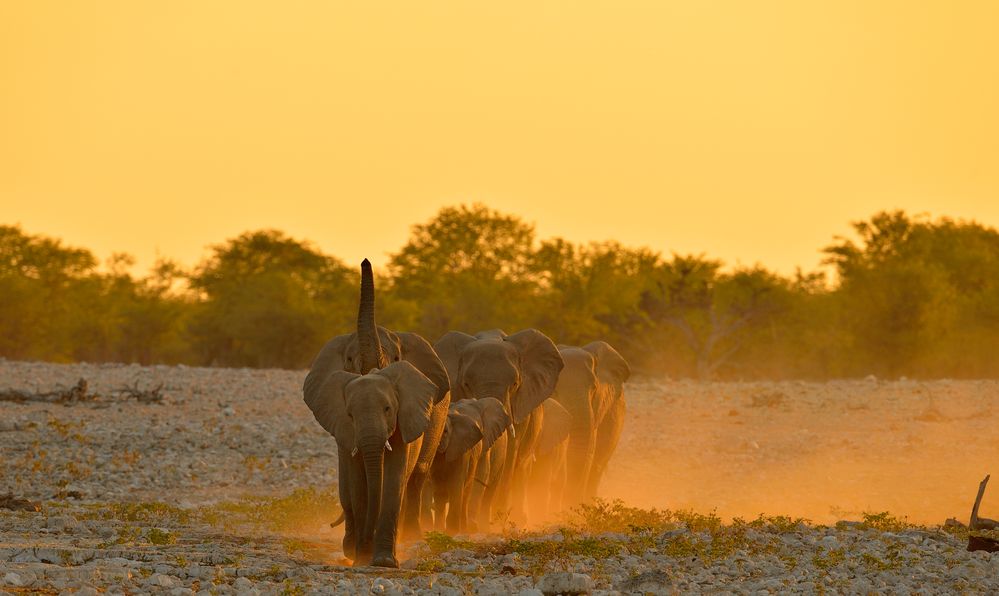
point(909, 296)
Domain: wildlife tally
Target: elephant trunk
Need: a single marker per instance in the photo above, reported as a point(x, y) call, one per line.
point(373, 455)
point(370, 348)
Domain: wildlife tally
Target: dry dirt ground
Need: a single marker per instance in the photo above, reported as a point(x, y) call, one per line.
point(226, 487)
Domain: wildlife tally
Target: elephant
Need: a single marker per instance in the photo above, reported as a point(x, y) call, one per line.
point(549, 472)
point(521, 371)
point(591, 389)
point(374, 347)
point(473, 427)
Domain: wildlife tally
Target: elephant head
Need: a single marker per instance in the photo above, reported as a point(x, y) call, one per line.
point(363, 412)
point(489, 414)
point(373, 346)
point(461, 434)
point(519, 370)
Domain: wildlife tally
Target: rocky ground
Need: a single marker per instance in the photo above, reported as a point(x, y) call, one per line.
point(226, 487)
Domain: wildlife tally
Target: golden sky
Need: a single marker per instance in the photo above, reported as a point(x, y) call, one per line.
point(752, 131)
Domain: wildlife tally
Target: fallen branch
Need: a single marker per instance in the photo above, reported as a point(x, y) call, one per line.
point(8, 501)
point(981, 523)
point(984, 543)
point(76, 393)
point(143, 396)
point(79, 393)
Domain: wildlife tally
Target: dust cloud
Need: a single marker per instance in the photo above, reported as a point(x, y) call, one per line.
point(821, 451)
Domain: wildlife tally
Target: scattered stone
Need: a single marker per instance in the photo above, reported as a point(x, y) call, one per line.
point(13, 579)
point(563, 583)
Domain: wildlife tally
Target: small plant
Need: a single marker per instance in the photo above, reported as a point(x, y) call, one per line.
point(430, 566)
point(885, 522)
point(160, 537)
point(829, 559)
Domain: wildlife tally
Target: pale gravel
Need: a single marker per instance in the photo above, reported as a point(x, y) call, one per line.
point(824, 451)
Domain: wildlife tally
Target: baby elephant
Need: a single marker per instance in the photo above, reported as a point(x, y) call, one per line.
point(472, 428)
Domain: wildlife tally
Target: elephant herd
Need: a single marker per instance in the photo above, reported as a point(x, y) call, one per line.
point(460, 434)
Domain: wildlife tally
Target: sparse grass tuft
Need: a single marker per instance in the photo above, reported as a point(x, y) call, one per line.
point(160, 537)
point(885, 522)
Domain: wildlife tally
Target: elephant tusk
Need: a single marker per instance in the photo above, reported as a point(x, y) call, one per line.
point(388, 445)
point(513, 432)
point(353, 452)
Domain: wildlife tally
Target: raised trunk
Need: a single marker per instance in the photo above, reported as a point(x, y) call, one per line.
point(374, 460)
point(367, 333)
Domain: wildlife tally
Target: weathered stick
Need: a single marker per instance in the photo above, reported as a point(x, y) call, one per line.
point(981, 523)
point(74, 394)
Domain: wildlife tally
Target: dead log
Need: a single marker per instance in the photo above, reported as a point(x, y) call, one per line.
point(12, 503)
point(976, 522)
point(143, 396)
point(981, 523)
point(80, 393)
point(76, 393)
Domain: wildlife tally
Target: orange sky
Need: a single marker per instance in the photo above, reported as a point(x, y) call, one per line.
point(752, 131)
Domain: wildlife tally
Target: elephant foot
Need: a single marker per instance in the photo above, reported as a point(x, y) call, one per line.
point(385, 560)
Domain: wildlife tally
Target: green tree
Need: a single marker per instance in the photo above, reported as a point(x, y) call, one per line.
point(267, 300)
point(466, 269)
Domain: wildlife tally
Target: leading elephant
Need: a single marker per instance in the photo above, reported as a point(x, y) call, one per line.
point(591, 388)
point(368, 348)
point(520, 370)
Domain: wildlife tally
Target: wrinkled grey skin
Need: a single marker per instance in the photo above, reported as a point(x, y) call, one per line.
point(521, 371)
point(367, 414)
point(591, 389)
point(474, 427)
point(370, 348)
point(549, 471)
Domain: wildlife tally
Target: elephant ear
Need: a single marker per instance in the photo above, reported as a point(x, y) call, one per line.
point(465, 434)
point(416, 394)
point(418, 352)
point(611, 367)
point(555, 426)
point(540, 365)
point(329, 406)
point(329, 360)
point(494, 419)
point(448, 349)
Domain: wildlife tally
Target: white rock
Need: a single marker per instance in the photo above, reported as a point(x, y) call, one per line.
point(13, 579)
point(565, 583)
point(161, 580)
point(241, 584)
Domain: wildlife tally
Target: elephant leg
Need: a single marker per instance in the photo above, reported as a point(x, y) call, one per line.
point(452, 525)
point(359, 504)
point(427, 506)
point(440, 501)
point(343, 491)
point(559, 478)
point(394, 481)
point(468, 479)
point(608, 434)
point(579, 458)
point(476, 492)
point(538, 487)
point(413, 502)
point(522, 467)
point(418, 477)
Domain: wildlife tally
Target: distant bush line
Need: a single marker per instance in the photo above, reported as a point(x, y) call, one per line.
point(910, 296)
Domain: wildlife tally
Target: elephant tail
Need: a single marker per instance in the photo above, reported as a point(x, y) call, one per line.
point(339, 520)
